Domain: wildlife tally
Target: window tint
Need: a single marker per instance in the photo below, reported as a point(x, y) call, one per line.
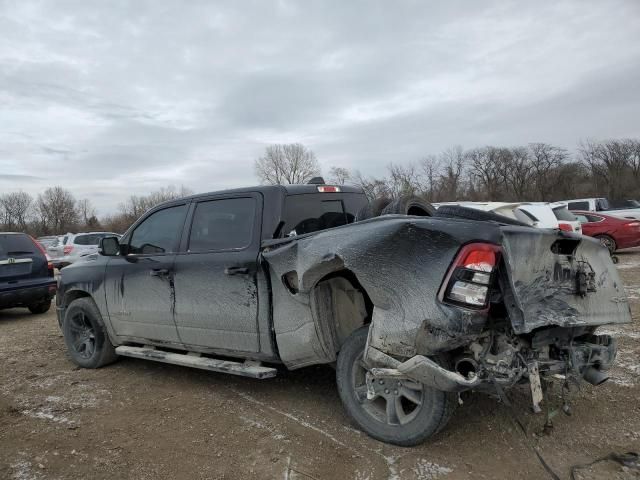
point(602, 204)
point(158, 233)
point(562, 213)
point(594, 218)
point(222, 224)
point(578, 205)
point(84, 240)
point(16, 244)
point(309, 213)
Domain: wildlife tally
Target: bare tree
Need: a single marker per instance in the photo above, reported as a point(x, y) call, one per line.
point(614, 166)
point(15, 209)
point(546, 160)
point(56, 210)
point(287, 164)
point(488, 168)
point(339, 175)
point(518, 173)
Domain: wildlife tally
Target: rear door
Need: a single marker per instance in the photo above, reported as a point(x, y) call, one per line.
point(560, 279)
point(216, 292)
point(139, 284)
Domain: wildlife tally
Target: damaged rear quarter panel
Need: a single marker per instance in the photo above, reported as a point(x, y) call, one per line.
point(400, 261)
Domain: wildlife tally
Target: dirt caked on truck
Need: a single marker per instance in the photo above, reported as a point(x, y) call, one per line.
point(411, 306)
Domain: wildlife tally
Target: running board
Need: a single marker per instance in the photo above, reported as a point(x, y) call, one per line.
point(247, 369)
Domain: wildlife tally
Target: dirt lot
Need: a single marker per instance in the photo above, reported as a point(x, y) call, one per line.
point(138, 419)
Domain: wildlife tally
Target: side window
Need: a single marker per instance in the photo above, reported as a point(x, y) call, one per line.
point(159, 232)
point(594, 218)
point(222, 224)
point(578, 205)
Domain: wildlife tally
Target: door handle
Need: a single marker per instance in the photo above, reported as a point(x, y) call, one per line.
point(236, 270)
point(159, 272)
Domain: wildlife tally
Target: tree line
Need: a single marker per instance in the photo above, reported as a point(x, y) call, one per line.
point(56, 211)
point(535, 172)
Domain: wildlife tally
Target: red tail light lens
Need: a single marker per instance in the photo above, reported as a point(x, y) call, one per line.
point(67, 249)
point(634, 225)
point(565, 227)
point(469, 278)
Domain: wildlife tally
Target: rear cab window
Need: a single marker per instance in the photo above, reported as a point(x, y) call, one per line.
point(307, 213)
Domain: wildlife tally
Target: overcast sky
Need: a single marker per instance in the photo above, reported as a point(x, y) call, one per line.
point(113, 98)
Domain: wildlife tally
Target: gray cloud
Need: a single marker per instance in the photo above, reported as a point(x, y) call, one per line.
point(111, 99)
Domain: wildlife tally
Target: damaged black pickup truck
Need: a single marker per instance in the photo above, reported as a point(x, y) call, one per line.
point(411, 307)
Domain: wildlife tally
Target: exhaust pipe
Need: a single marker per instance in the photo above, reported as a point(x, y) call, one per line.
point(595, 376)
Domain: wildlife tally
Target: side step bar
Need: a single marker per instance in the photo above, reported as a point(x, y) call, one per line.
point(247, 369)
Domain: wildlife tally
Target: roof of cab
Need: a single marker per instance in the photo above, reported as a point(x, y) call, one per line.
point(283, 189)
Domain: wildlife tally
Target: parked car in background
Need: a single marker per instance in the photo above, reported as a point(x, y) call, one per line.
point(567, 221)
point(26, 277)
point(613, 232)
point(603, 205)
point(47, 241)
point(535, 214)
point(78, 245)
point(624, 204)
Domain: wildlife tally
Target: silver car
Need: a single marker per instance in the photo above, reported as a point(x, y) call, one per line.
point(75, 246)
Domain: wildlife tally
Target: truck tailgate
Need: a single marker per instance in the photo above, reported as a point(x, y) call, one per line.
point(561, 279)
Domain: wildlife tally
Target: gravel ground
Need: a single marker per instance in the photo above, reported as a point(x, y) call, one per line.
point(138, 419)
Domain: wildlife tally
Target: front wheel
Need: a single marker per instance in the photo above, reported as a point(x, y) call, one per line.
point(402, 412)
point(85, 335)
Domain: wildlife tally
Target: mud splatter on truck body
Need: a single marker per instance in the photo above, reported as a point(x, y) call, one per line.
point(401, 262)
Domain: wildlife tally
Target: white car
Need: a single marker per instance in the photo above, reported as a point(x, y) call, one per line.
point(630, 209)
point(79, 245)
point(536, 214)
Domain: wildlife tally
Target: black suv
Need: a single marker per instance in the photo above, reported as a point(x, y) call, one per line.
point(26, 276)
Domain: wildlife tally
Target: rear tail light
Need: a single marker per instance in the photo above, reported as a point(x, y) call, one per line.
point(565, 227)
point(67, 250)
point(470, 276)
point(328, 189)
point(44, 252)
point(634, 225)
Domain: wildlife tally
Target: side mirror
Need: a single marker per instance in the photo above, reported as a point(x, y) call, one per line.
point(109, 246)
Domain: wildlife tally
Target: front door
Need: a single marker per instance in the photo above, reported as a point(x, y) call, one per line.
point(215, 275)
point(139, 284)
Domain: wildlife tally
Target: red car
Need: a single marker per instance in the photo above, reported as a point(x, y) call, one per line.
point(614, 233)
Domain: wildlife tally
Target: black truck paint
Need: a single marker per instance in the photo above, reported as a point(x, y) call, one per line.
point(292, 297)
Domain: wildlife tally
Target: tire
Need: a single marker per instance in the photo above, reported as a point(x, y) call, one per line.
point(608, 242)
point(40, 307)
point(413, 422)
point(409, 205)
point(85, 335)
point(372, 209)
point(456, 211)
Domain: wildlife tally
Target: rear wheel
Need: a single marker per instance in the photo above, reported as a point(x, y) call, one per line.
point(607, 241)
point(41, 307)
point(402, 412)
point(85, 335)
